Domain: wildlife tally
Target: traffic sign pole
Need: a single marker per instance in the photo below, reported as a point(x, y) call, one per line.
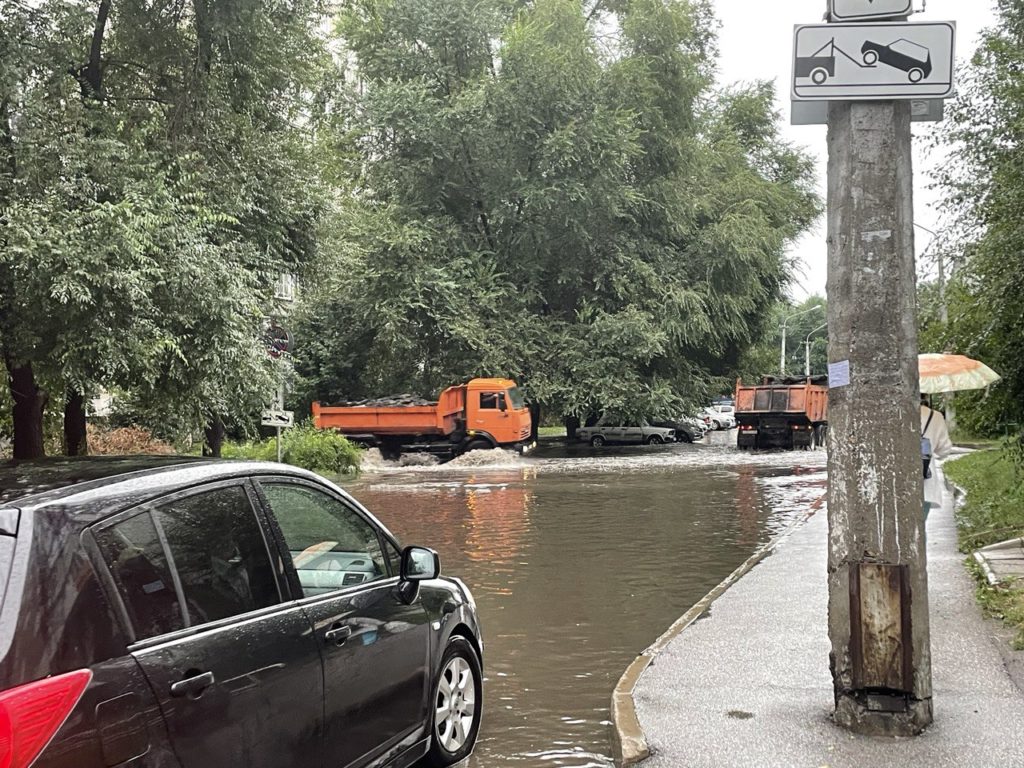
point(878, 591)
point(280, 407)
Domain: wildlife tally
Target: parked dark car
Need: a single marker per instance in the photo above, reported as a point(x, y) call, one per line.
point(688, 429)
point(181, 613)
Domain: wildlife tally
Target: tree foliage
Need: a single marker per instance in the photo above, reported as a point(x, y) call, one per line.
point(606, 227)
point(157, 173)
point(985, 193)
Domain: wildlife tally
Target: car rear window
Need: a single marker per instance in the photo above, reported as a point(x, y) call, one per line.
point(136, 559)
point(219, 553)
point(218, 562)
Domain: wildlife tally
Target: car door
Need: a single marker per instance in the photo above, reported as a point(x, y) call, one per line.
point(611, 432)
point(375, 646)
point(632, 434)
point(233, 664)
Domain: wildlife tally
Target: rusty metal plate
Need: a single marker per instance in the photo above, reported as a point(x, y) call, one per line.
point(880, 638)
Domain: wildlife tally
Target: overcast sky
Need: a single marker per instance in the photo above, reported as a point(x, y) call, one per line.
point(756, 40)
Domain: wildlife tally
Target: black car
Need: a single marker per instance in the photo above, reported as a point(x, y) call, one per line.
point(198, 614)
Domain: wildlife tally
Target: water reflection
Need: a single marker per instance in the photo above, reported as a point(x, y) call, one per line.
point(576, 569)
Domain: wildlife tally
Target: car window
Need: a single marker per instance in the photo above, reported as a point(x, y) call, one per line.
point(394, 558)
point(219, 554)
point(331, 545)
point(136, 560)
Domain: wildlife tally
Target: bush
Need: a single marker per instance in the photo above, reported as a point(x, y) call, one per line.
point(318, 450)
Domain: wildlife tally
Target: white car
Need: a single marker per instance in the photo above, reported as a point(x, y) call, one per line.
point(720, 416)
point(609, 430)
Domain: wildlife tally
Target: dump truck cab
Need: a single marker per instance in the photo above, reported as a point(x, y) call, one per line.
point(496, 412)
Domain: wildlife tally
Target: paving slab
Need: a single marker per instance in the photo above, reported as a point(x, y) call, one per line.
point(749, 685)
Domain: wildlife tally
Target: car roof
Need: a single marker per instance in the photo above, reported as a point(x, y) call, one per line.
point(89, 487)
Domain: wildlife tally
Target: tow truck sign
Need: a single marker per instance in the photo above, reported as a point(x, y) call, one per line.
point(873, 62)
point(852, 10)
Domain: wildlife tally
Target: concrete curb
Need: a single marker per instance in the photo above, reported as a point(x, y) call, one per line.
point(629, 745)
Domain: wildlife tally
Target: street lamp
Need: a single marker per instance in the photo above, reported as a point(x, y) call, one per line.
point(782, 356)
point(807, 349)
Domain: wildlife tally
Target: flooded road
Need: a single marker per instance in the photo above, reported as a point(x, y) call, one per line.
point(578, 560)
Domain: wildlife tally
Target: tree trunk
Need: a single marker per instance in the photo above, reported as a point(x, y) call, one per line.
point(572, 423)
point(76, 441)
point(29, 401)
point(214, 434)
point(534, 421)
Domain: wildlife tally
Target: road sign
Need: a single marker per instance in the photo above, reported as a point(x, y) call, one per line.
point(277, 340)
point(816, 112)
point(873, 62)
point(854, 10)
point(275, 418)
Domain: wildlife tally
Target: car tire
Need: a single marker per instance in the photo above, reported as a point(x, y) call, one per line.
point(459, 684)
point(597, 441)
point(655, 440)
point(915, 75)
point(870, 58)
point(684, 437)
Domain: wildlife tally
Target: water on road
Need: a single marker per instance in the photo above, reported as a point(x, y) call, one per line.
point(578, 560)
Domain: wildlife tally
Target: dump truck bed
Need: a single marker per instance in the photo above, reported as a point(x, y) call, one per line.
point(810, 400)
point(440, 418)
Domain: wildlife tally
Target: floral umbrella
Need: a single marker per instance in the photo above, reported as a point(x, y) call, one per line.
point(953, 373)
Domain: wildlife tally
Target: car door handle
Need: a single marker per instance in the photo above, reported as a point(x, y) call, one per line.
point(338, 634)
point(193, 686)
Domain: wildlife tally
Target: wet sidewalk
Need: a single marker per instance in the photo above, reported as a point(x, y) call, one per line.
point(749, 684)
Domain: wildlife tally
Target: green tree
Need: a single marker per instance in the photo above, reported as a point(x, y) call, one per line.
point(985, 202)
point(158, 171)
point(607, 229)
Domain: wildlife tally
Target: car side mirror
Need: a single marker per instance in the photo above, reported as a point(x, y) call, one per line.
point(420, 564)
point(502, 405)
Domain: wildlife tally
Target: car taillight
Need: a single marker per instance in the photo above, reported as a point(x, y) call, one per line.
point(31, 714)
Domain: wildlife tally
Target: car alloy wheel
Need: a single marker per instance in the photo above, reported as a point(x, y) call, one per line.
point(655, 440)
point(597, 441)
point(457, 705)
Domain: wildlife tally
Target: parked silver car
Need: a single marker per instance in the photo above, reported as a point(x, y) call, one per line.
point(609, 430)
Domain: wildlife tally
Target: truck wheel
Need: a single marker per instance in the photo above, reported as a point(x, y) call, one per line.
point(819, 76)
point(597, 441)
point(478, 445)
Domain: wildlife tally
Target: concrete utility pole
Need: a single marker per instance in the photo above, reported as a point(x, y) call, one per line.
point(878, 586)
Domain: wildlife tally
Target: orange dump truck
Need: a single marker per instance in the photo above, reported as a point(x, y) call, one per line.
point(483, 413)
point(782, 412)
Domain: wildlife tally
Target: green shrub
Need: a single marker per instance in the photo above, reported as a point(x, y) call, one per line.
point(318, 450)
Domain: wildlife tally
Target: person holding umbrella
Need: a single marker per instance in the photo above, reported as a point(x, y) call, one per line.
point(943, 373)
point(935, 444)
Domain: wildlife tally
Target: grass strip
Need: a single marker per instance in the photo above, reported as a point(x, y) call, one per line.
point(992, 512)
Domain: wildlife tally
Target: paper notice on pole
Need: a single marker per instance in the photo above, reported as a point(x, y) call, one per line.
point(839, 374)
